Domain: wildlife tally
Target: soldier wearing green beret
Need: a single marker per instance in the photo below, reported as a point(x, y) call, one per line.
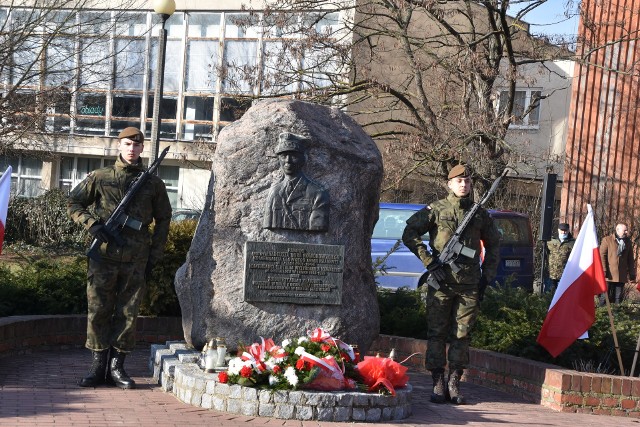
point(116, 282)
point(452, 310)
point(296, 202)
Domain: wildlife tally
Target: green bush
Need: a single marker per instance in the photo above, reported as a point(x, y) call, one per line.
point(49, 286)
point(509, 322)
point(43, 221)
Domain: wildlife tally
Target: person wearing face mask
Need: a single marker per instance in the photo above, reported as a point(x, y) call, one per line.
point(619, 266)
point(559, 251)
point(452, 310)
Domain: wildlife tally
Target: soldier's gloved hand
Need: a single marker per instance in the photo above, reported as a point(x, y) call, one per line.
point(98, 231)
point(482, 286)
point(437, 272)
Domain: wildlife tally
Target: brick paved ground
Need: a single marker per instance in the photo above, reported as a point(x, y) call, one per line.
point(40, 389)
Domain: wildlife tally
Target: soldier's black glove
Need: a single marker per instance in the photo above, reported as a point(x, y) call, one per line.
point(437, 270)
point(482, 286)
point(98, 231)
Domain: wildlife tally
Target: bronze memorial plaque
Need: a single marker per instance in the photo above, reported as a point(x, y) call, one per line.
point(297, 273)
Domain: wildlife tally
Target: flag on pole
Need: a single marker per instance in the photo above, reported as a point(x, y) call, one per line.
point(572, 310)
point(5, 187)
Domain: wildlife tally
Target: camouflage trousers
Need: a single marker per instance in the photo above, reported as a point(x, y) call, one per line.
point(451, 314)
point(114, 293)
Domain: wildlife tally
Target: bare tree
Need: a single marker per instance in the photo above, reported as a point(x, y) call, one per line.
point(421, 76)
point(50, 51)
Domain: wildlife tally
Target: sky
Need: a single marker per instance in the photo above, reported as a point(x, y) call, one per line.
point(549, 18)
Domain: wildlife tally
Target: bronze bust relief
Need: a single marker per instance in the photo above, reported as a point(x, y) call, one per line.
point(296, 202)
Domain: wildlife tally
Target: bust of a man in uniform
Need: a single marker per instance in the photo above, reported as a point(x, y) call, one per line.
point(296, 202)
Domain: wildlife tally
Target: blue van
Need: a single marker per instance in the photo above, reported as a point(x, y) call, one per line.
point(401, 268)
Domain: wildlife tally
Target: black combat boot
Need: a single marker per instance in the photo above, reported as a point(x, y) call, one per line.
point(437, 375)
point(453, 387)
point(117, 375)
point(96, 374)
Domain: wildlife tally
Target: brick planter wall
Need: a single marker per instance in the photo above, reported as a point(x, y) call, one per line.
point(560, 389)
point(22, 334)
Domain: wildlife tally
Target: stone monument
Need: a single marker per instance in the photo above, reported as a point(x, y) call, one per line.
point(246, 276)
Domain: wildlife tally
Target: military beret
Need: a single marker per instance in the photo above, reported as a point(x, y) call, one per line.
point(131, 133)
point(291, 142)
point(563, 226)
point(459, 170)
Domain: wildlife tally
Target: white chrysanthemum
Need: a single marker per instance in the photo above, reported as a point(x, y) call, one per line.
point(302, 339)
point(299, 350)
point(273, 380)
point(271, 363)
point(286, 342)
point(235, 365)
point(290, 375)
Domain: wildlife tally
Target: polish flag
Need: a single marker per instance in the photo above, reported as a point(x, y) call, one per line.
point(572, 311)
point(5, 185)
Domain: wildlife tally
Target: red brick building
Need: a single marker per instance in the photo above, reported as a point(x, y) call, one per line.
point(602, 154)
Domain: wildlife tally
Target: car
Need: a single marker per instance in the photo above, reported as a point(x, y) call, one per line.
point(185, 214)
point(401, 268)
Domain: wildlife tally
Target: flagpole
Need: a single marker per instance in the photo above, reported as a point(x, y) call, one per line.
point(613, 331)
point(635, 357)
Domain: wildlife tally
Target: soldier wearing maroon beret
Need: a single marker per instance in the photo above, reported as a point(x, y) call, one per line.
point(115, 283)
point(452, 310)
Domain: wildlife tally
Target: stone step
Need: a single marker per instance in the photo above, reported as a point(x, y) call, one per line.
point(165, 357)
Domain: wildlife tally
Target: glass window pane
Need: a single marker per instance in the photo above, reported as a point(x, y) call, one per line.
point(98, 22)
point(26, 69)
point(86, 165)
point(232, 109)
point(169, 174)
point(173, 197)
point(30, 187)
point(167, 130)
point(241, 25)
point(518, 106)
point(130, 57)
point(280, 69)
point(168, 108)
point(94, 59)
point(240, 63)
point(202, 62)
point(87, 126)
point(279, 24)
point(66, 168)
point(534, 115)
point(172, 66)
point(60, 68)
point(58, 124)
point(127, 105)
point(204, 25)
point(198, 108)
point(131, 24)
point(90, 104)
point(174, 26)
point(197, 132)
point(31, 167)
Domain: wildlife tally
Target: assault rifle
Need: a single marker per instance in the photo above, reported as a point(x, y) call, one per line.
point(454, 247)
point(119, 218)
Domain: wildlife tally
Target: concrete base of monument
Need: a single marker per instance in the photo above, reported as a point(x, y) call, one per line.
point(175, 368)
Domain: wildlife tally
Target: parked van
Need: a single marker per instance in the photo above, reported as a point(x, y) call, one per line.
point(402, 268)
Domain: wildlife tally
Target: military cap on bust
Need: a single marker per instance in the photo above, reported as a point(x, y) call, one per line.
point(131, 133)
point(563, 226)
point(459, 170)
point(291, 142)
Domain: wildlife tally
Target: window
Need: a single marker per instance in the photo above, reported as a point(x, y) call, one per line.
point(170, 175)
point(26, 178)
point(74, 169)
point(523, 99)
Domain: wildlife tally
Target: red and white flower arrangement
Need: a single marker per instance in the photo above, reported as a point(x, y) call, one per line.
point(316, 362)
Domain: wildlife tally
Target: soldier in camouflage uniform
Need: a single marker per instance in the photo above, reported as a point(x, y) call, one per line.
point(116, 283)
point(559, 251)
point(452, 310)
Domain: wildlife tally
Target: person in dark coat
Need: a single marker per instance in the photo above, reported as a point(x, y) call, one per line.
point(616, 252)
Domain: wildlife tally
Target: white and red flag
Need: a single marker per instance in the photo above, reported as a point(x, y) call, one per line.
point(572, 310)
point(5, 187)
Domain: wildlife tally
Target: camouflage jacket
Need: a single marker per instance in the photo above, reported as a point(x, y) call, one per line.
point(103, 189)
point(558, 256)
point(440, 220)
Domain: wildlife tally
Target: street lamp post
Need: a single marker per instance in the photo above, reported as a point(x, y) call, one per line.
point(165, 9)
